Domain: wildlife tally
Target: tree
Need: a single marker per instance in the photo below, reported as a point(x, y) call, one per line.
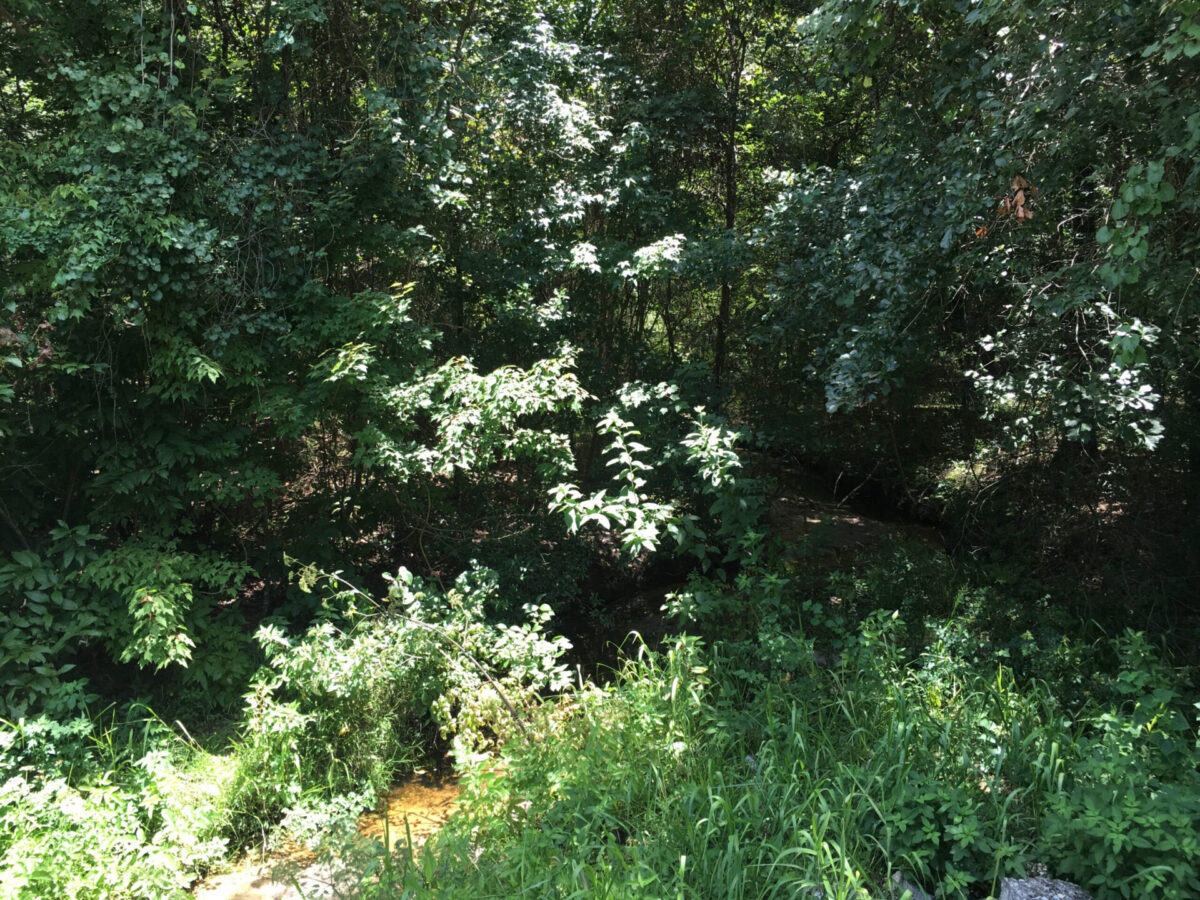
point(223, 234)
point(1021, 220)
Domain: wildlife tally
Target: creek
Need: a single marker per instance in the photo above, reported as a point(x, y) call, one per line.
point(414, 809)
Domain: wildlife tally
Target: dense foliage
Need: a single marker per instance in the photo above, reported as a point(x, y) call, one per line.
point(498, 295)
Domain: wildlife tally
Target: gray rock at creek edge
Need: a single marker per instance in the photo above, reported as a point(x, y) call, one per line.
point(323, 882)
point(1041, 889)
point(902, 885)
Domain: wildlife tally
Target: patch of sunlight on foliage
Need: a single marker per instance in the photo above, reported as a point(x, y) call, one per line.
point(713, 771)
point(138, 810)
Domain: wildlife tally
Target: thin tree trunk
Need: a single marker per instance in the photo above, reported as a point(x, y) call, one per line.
point(737, 64)
point(668, 323)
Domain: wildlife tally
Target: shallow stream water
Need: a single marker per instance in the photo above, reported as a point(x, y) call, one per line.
point(412, 810)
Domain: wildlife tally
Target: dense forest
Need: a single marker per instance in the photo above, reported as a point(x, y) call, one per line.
point(369, 369)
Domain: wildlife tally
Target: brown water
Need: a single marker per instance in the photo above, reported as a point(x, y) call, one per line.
point(416, 807)
point(421, 803)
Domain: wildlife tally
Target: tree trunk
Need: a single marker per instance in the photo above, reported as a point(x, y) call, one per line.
point(737, 64)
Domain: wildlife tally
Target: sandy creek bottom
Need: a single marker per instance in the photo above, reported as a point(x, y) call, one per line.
point(425, 801)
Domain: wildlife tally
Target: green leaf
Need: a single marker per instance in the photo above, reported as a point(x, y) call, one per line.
point(25, 558)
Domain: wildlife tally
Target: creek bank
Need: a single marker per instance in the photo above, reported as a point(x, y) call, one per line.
point(1041, 889)
point(813, 528)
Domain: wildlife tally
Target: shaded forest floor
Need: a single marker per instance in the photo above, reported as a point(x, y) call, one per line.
point(806, 524)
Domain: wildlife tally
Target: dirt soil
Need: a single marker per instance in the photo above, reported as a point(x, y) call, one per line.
point(802, 510)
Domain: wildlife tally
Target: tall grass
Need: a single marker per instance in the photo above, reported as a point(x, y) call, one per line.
point(683, 779)
point(138, 812)
point(745, 765)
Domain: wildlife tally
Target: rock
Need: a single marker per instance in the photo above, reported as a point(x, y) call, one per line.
point(288, 881)
point(826, 660)
point(1041, 889)
point(902, 884)
point(325, 882)
point(245, 884)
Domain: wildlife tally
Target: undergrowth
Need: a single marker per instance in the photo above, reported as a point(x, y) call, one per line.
point(862, 756)
point(120, 806)
point(855, 735)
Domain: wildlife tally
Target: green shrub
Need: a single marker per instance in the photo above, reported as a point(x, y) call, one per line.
point(355, 701)
point(1127, 822)
point(138, 816)
point(148, 602)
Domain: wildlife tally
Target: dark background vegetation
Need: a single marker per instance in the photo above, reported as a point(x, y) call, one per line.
point(259, 260)
point(368, 284)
